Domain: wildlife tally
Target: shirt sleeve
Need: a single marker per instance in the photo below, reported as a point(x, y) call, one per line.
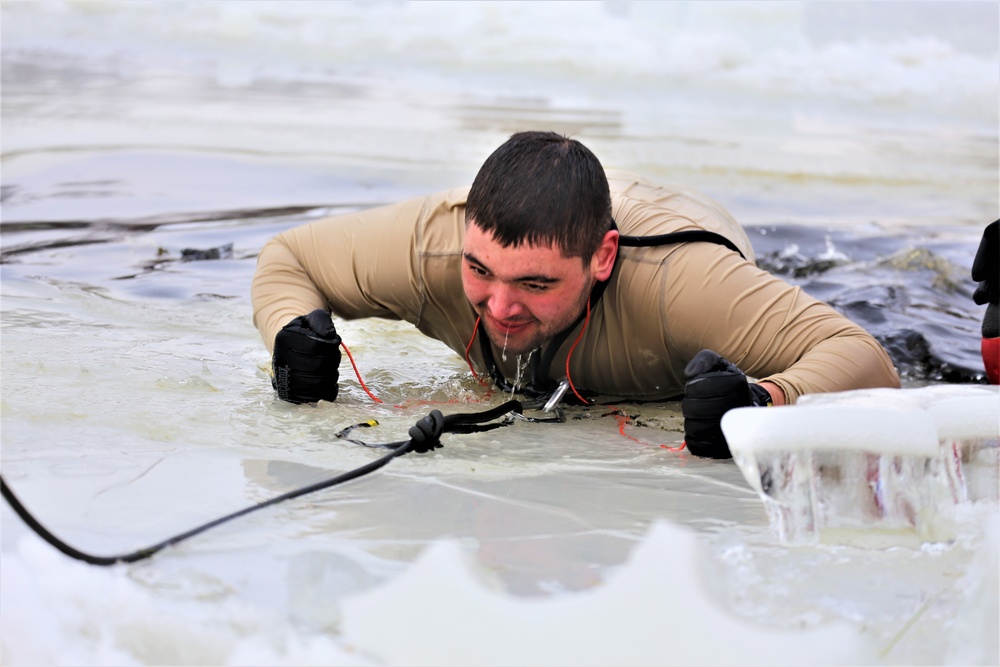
point(357, 265)
point(771, 330)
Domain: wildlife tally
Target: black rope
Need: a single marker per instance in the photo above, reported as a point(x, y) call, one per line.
point(424, 436)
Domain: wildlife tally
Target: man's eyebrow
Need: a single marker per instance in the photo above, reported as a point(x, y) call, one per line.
point(469, 257)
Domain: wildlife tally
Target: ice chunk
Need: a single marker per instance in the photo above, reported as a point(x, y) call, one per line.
point(653, 611)
point(834, 427)
point(842, 473)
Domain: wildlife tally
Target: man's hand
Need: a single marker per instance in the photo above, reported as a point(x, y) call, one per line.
point(714, 386)
point(306, 360)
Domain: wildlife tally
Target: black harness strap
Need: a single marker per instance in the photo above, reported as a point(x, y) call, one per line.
point(687, 236)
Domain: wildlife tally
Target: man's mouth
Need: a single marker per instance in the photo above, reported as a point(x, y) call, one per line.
point(508, 327)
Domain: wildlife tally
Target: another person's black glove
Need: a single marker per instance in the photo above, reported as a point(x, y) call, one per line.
point(986, 271)
point(306, 359)
point(714, 386)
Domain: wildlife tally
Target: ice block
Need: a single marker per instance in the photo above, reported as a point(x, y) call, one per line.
point(845, 473)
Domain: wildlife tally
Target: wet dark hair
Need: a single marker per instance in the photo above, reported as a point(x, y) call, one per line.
point(542, 188)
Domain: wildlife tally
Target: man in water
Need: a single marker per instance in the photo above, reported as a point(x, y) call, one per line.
point(545, 261)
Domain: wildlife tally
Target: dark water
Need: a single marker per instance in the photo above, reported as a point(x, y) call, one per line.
point(913, 293)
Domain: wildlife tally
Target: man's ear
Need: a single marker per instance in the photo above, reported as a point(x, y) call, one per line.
point(603, 261)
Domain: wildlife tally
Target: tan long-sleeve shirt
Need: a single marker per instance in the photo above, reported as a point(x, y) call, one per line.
point(662, 304)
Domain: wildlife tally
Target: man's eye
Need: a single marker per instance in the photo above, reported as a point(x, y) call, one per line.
point(478, 270)
point(535, 287)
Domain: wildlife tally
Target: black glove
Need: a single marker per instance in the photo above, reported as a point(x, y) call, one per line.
point(986, 271)
point(306, 360)
point(714, 386)
point(986, 266)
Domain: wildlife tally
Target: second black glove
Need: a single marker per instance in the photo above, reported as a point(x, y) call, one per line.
point(714, 387)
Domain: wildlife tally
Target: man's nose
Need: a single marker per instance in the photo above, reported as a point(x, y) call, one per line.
point(504, 302)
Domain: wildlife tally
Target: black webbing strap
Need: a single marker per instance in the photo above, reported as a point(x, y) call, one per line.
point(687, 236)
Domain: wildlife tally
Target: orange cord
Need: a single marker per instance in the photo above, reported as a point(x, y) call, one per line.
point(468, 347)
point(623, 419)
point(569, 356)
point(356, 372)
point(375, 398)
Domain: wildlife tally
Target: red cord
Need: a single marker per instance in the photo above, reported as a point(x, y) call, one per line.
point(356, 372)
point(623, 418)
point(569, 355)
point(468, 347)
point(379, 400)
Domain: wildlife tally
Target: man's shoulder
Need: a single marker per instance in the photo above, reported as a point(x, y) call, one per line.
point(451, 199)
point(631, 190)
point(441, 223)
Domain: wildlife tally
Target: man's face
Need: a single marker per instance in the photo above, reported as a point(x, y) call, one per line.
point(525, 294)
